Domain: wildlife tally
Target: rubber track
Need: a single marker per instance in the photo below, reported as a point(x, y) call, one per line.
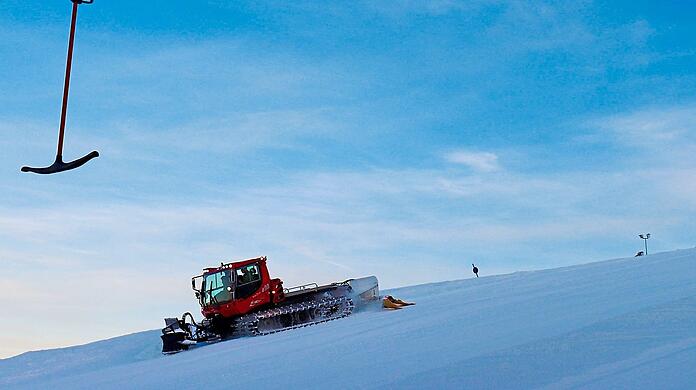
point(249, 324)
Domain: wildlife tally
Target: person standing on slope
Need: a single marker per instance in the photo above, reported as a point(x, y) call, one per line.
point(475, 269)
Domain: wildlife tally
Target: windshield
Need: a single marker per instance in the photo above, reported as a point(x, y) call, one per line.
point(217, 287)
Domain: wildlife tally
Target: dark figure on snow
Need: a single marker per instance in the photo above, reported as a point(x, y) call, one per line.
point(640, 253)
point(475, 269)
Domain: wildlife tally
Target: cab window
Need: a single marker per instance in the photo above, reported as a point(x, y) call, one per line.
point(248, 274)
point(218, 287)
point(248, 280)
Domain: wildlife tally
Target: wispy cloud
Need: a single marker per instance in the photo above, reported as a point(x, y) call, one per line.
point(243, 132)
point(653, 127)
point(479, 161)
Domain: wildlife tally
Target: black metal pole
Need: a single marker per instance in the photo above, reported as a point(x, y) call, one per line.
point(66, 86)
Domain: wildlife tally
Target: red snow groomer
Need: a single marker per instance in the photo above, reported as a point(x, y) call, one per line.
point(240, 299)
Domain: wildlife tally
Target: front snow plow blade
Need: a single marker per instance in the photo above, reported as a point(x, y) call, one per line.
point(173, 342)
point(178, 335)
point(175, 336)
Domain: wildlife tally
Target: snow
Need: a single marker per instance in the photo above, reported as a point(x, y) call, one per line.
point(625, 323)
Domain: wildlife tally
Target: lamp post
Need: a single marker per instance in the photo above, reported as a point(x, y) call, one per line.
point(645, 239)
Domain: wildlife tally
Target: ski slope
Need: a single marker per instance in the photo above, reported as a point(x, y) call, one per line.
point(626, 323)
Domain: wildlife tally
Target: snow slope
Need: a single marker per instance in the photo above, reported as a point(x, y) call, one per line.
point(626, 323)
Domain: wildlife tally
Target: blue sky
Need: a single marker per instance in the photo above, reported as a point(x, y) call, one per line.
point(405, 139)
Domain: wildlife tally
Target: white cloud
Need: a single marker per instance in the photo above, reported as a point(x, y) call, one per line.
point(652, 127)
point(478, 161)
